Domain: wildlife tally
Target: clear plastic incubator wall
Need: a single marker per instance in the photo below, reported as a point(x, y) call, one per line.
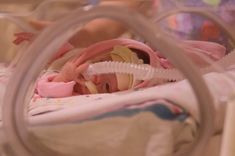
point(117, 78)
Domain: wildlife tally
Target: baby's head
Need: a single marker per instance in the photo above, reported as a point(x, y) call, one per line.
point(118, 50)
point(130, 51)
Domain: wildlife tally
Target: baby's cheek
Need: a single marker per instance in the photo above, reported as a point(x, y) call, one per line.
point(101, 88)
point(106, 83)
point(113, 83)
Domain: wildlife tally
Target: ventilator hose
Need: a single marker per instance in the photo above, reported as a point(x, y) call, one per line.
point(147, 72)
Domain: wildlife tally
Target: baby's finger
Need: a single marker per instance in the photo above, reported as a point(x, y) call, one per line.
point(82, 68)
point(81, 58)
point(73, 59)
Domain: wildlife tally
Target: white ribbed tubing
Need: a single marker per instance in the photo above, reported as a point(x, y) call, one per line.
point(139, 71)
point(147, 72)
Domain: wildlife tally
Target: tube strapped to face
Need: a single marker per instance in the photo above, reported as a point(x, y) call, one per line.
point(122, 64)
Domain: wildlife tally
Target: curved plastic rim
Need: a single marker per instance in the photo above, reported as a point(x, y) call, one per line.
point(228, 30)
point(24, 144)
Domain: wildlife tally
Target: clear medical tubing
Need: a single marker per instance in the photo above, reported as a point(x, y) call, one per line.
point(42, 6)
point(19, 22)
point(21, 143)
point(147, 72)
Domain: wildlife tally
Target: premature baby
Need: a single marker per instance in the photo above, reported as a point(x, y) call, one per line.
point(70, 79)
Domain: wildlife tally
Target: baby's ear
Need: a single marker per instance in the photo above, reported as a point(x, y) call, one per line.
point(39, 24)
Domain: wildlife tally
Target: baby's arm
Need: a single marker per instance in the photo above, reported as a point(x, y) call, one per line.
point(61, 84)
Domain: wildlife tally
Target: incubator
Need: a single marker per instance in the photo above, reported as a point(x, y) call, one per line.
point(162, 84)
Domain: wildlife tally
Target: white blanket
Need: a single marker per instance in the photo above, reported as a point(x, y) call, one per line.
point(180, 93)
point(137, 135)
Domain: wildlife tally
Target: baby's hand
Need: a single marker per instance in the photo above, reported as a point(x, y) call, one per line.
point(71, 71)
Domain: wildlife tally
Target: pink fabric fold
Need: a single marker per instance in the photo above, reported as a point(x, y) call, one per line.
point(46, 88)
point(106, 46)
point(214, 50)
point(194, 50)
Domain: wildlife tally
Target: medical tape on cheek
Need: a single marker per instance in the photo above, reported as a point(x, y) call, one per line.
point(91, 87)
point(124, 54)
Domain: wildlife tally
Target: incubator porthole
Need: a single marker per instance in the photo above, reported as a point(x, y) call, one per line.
point(110, 96)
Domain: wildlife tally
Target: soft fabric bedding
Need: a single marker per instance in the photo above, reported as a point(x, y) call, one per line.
point(177, 97)
point(163, 125)
point(160, 120)
point(140, 134)
point(130, 130)
point(182, 100)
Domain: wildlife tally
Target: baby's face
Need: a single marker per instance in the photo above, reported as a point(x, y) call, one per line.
point(104, 83)
point(109, 83)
